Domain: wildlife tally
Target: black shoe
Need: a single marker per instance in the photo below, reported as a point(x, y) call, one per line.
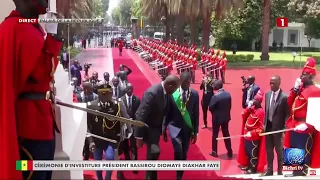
point(230, 154)
point(120, 176)
point(245, 168)
point(251, 171)
point(280, 173)
point(214, 154)
point(204, 126)
point(268, 173)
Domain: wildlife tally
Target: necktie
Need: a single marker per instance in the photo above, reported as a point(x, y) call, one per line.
point(184, 96)
point(129, 102)
point(272, 106)
point(116, 92)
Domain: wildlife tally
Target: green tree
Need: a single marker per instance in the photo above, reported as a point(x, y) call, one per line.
point(306, 8)
point(115, 16)
point(244, 26)
point(227, 28)
point(312, 29)
point(136, 9)
point(98, 9)
point(125, 12)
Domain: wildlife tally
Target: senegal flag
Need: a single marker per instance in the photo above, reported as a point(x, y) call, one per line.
point(24, 165)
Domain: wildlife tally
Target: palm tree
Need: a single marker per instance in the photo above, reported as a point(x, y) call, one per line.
point(155, 10)
point(203, 9)
point(74, 9)
point(265, 30)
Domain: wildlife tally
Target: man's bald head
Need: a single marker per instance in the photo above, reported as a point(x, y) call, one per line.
point(275, 82)
point(251, 79)
point(218, 84)
point(87, 88)
point(115, 81)
point(129, 89)
point(171, 84)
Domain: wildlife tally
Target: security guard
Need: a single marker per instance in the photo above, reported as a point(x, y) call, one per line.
point(107, 128)
point(207, 87)
point(77, 90)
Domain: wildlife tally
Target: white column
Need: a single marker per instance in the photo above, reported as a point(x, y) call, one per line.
point(6, 7)
point(53, 5)
point(285, 37)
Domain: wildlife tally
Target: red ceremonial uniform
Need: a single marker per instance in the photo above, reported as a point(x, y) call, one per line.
point(194, 64)
point(169, 65)
point(253, 123)
point(25, 54)
point(120, 44)
point(223, 64)
point(298, 103)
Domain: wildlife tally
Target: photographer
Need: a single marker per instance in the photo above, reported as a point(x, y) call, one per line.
point(86, 67)
point(249, 90)
point(75, 71)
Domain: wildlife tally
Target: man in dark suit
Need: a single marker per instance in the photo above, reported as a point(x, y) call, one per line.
point(207, 87)
point(125, 70)
point(249, 90)
point(132, 103)
point(182, 119)
point(220, 107)
point(276, 113)
point(152, 111)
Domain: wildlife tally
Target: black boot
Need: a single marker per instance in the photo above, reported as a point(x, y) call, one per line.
point(246, 168)
point(251, 171)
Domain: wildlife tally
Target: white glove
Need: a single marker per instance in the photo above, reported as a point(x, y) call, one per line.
point(51, 28)
point(297, 84)
point(250, 103)
point(248, 134)
point(301, 127)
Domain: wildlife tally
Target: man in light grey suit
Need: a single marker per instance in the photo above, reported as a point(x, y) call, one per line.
point(118, 90)
point(152, 111)
point(276, 113)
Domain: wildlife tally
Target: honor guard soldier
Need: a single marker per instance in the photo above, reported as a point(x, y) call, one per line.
point(107, 128)
point(304, 136)
point(252, 153)
point(193, 69)
point(223, 66)
point(207, 87)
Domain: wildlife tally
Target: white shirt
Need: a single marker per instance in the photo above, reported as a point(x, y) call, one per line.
point(249, 89)
point(65, 56)
point(128, 102)
point(184, 91)
point(164, 90)
point(276, 96)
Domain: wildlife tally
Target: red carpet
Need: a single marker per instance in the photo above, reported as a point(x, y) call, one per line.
point(140, 83)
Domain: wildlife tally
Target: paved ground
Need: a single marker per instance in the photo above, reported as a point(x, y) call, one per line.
point(101, 59)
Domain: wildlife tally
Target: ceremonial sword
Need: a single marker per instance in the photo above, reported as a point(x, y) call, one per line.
point(262, 134)
point(98, 113)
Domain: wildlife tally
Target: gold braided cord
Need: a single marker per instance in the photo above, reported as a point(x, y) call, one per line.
point(104, 125)
point(253, 157)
